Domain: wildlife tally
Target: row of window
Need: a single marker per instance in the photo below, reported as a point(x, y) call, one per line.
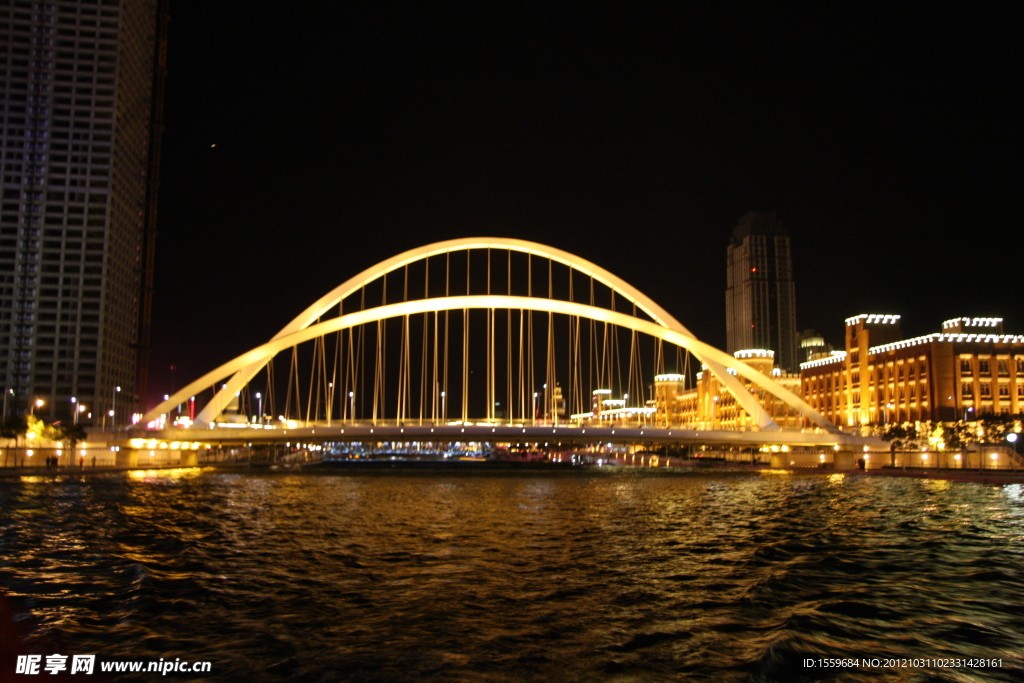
point(71, 316)
point(985, 390)
point(985, 367)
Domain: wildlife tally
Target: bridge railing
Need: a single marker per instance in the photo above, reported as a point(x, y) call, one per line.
point(567, 424)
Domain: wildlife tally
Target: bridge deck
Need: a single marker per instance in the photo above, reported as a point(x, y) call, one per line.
point(502, 433)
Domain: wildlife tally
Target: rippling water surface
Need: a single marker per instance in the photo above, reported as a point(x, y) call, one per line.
point(582, 576)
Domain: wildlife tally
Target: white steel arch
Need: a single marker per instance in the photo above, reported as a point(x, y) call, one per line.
point(325, 303)
point(309, 316)
point(711, 356)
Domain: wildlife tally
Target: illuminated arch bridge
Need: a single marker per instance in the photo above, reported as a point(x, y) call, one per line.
point(486, 338)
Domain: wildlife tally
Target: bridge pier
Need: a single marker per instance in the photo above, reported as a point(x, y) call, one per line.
point(845, 460)
point(127, 457)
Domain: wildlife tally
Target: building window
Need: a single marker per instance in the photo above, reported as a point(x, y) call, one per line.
point(983, 366)
point(967, 390)
point(1003, 367)
point(1020, 366)
point(986, 389)
point(1004, 390)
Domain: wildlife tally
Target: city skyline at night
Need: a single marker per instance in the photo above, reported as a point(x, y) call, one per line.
point(295, 154)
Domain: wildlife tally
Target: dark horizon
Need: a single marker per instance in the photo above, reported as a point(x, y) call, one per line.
point(298, 153)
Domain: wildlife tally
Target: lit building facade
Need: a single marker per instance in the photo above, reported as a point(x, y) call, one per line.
point(969, 369)
point(760, 298)
point(79, 132)
point(709, 405)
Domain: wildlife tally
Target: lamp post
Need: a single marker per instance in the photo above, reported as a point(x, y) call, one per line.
point(888, 406)
point(113, 406)
point(8, 392)
point(714, 406)
point(38, 403)
point(966, 411)
point(352, 405)
point(535, 408)
point(29, 438)
point(259, 400)
point(74, 410)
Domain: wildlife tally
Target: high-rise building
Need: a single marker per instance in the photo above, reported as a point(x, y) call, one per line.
point(760, 301)
point(82, 90)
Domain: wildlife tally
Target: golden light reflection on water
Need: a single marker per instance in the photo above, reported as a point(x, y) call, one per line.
point(937, 484)
point(836, 478)
point(786, 472)
point(173, 473)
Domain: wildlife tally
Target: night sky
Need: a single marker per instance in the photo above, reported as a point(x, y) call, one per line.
point(891, 150)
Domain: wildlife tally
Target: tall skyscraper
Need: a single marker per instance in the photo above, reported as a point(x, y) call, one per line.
point(760, 301)
point(82, 84)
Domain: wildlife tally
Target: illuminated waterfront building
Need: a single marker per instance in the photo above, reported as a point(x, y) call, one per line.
point(79, 153)
point(605, 410)
point(970, 368)
point(709, 405)
point(760, 299)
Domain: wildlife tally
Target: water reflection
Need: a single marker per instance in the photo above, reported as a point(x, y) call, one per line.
point(586, 577)
point(167, 474)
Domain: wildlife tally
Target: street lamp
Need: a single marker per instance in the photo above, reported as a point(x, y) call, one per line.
point(9, 392)
point(74, 410)
point(535, 408)
point(259, 399)
point(966, 411)
point(352, 405)
point(888, 407)
point(38, 403)
point(29, 438)
point(714, 406)
point(113, 406)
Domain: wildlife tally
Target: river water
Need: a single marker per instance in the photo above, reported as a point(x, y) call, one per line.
point(552, 576)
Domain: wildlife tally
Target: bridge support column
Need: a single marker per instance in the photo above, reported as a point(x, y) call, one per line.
point(127, 457)
point(189, 459)
point(845, 460)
